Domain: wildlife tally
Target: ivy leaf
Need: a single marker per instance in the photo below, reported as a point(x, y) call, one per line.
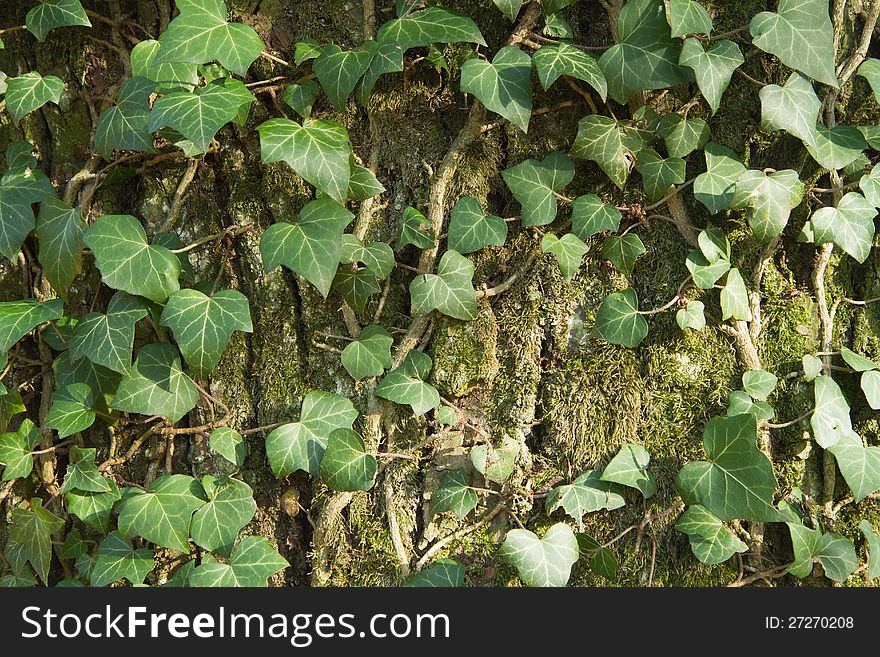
point(300, 445)
point(837, 147)
point(18, 318)
point(117, 559)
point(850, 225)
point(801, 35)
point(230, 507)
point(52, 14)
point(198, 116)
point(604, 563)
point(859, 465)
point(440, 574)
point(108, 339)
point(369, 355)
point(470, 230)
point(203, 325)
point(312, 246)
point(432, 25)
point(714, 244)
point(710, 540)
point(683, 135)
point(534, 184)
point(589, 216)
point(692, 316)
point(74, 545)
point(377, 256)
point(509, 8)
point(83, 475)
point(306, 50)
point(542, 562)
point(347, 466)
point(812, 366)
point(659, 174)
point(601, 139)
point(446, 415)
point(229, 444)
point(15, 450)
point(836, 553)
point(339, 70)
point(873, 549)
point(870, 186)
point(715, 188)
point(793, 107)
point(496, 463)
point(172, 76)
point(201, 34)
point(252, 563)
point(759, 384)
point(414, 229)
point(738, 479)
point(124, 126)
point(301, 97)
point(163, 513)
point(388, 59)
point(553, 61)
point(60, 231)
point(20, 187)
point(569, 251)
point(504, 86)
point(618, 320)
point(622, 251)
point(870, 70)
point(645, 57)
point(30, 92)
point(740, 403)
point(156, 385)
point(128, 262)
point(735, 298)
point(771, 199)
point(71, 410)
point(319, 151)
point(31, 532)
point(687, 17)
point(93, 508)
point(552, 7)
point(454, 495)
point(630, 468)
point(406, 388)
point(713, 68)
point(586, 494)
point(357, 287)
point(870, 384)
point(450, 290)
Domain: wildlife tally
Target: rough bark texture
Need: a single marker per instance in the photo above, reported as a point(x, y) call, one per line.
point(527, 367)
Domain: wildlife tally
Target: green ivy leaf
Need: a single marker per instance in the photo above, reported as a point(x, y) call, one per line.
point(715, 188)
point(377, 257)
point(687, 17)
point(770, 198)
point(714, 244)
point(432, 25)
point(738, 479)
point(229, 444)
point(590, 216)
point(71, 410)
point(414, 229)
point(586, 494)
point(60, 230)
point(301, 97)
point(15, 450)
point(347, 466)
point(201, 34)
point(870, 186)
point(124, 126)
point(363, 184)
point(496, 463)
point(454, 494)
point(601, 139)
point(20, 187)
point(504, 86)
point(52, 14)
point(740, 403)
point(645, 57)
point(542, 562)
point(163, 513)
point(74, 545)
point(801, 35)
point(312, 246)
point(604, 563)
point(440, 574)
point(93, 508)
point(534, 183)
point(18, 318)
point(203, 325)
point(850, 225)
point(357, 287)
point(509, 8)
point(406, 388)
point(83, 475)
point(618, 320)
point(622, 251)
point(553, 61)
point(168, 77)
point(870, 70)
point(30, 92)
point(735, 298)
point(836, 554)
point(117, 559)
point(569, 251)
point(369, 355)
point(252, 563)
point(388, 59)
point(692, 316)
point(870, 384)
point(629, 467)
point(31, 533)
point(713, 68)
point(659, 174)
point(101, 380)
point(300, 445)
point(859, 465)
point(759, 384)
point(793, 107)
point(108, 339)
point(873, 549)
point(319, 151)
point(306, 50)
point(682, 135)
point(812, 366)
point(339, 70)
point(128, 262)
point(446, 415)
point(710, 540)
point(156, 385)
point(470, 230)
point(837, 147)
point(450, 290)
point(705, 273)
point(230, 507)
point(552, 7)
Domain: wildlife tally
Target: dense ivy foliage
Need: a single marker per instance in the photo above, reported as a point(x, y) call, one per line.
point(185, 86)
